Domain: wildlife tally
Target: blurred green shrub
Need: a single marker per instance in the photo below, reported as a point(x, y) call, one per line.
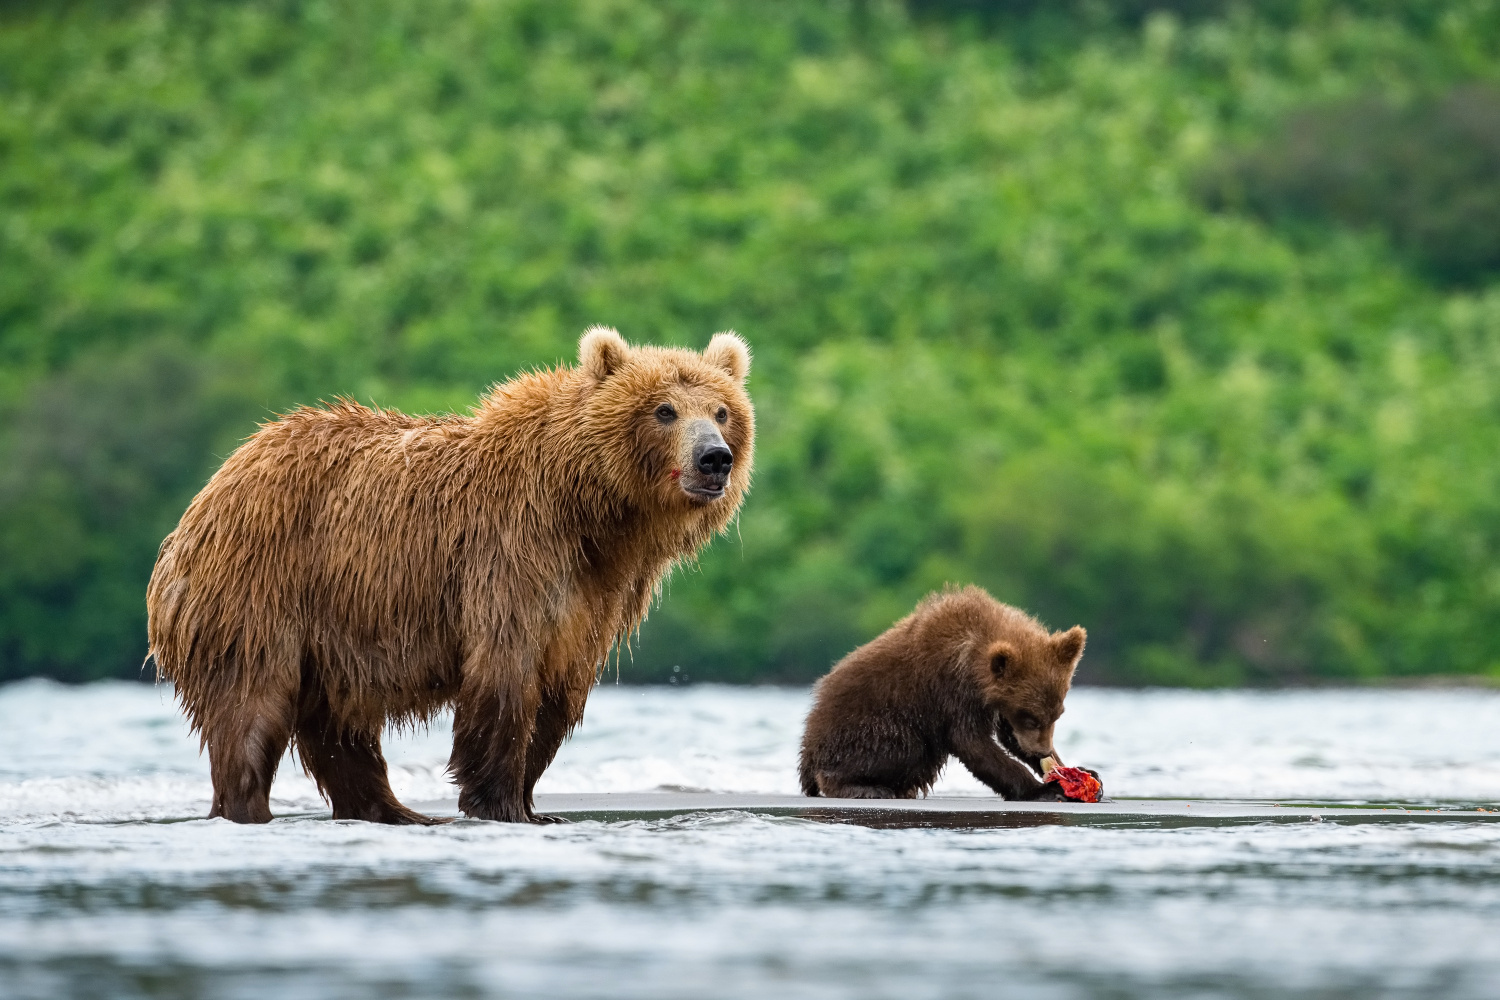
point(1030, 20)
point(1426, 175)
point(96, 464)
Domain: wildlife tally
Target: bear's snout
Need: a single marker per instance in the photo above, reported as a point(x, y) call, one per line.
point(712, 461)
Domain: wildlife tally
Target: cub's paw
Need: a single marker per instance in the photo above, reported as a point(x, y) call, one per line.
point(1050, 792)
point(547, 818)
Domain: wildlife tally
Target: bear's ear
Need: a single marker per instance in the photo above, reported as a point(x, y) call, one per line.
point(1001, 656)
point(728, 351)
point(1069, 645)
point(601, 352)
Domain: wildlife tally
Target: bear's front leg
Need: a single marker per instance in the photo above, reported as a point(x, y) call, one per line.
point(492, 730)
point(988, 761)
point(547, 736)
point(560, 710)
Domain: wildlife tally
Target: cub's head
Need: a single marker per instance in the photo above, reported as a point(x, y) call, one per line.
point(674, 428)
point(1026, 675)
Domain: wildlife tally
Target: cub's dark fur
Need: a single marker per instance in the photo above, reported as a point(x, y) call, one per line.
point(959, 673)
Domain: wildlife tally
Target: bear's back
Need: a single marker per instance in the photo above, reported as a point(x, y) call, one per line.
point(924, 672)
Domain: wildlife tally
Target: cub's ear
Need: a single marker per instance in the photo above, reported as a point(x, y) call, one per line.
point(1069, 645)
point(601, 352)
point(1001, 656)
point(730, 352)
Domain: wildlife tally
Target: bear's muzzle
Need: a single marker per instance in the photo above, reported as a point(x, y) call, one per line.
point(708, 472)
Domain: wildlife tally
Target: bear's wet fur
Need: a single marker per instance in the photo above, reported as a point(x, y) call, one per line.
point(348, 568)
point(962, 675)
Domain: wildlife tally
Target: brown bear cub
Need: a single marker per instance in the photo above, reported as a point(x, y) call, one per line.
point(348, 568)
point(959, 673)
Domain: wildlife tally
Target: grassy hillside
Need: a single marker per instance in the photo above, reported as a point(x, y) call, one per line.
point(1057, 298)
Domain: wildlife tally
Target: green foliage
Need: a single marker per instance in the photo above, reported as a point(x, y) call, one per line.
point(999, 336)
point(1427, 175)
point(99, 460)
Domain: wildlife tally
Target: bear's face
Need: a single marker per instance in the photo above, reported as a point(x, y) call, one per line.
point(679, 426)
point(1026, 676)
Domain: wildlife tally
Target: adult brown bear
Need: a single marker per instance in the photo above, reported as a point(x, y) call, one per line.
point(347, 568)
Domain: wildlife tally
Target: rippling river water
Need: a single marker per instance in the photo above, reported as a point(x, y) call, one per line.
point(111, 886)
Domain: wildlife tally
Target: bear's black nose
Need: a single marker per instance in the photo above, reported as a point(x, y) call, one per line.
point(714, 460)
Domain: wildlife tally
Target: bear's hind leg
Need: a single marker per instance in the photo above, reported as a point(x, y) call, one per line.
point(349, 768)
point(242, 758)
point(835, 788)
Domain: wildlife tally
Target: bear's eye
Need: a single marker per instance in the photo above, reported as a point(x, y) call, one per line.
point(722, 415)
point(665, 413)
point(1027, 721)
